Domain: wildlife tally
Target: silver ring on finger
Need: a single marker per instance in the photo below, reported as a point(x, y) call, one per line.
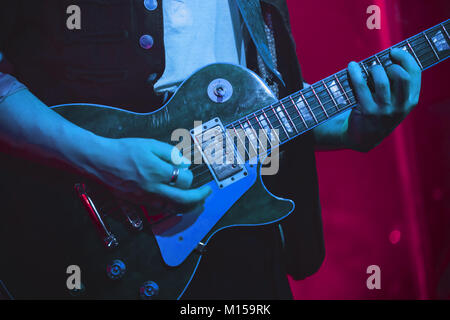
point(174, 178)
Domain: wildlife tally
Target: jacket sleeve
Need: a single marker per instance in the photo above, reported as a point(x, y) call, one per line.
point(304, 248)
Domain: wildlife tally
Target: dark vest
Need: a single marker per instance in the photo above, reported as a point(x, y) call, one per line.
point(105, 63)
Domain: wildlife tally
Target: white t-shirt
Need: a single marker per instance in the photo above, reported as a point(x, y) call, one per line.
point(198, 33)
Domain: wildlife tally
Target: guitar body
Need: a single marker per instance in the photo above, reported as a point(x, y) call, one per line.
point(49, 232)
point(46, 228)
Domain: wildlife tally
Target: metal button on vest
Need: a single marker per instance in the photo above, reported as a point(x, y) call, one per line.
point(146, 41)
point(150, 4)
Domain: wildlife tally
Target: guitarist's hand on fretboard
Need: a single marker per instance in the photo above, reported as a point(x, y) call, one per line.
point(392, 92)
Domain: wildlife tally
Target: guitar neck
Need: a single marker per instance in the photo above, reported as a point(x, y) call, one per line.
point(312, 106)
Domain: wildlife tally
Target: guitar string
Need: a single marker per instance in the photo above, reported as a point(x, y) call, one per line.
point(201, 166)
point(319, 107)
point(280, 102)
point(423, 43)
point(249, 118)
point(294, 118)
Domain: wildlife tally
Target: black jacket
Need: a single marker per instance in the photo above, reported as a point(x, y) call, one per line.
point(103, 63)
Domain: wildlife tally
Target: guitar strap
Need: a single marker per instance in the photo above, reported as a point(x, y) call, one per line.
point(252, 15)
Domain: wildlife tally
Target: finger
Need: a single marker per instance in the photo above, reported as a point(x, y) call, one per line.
point(406, 60)
point(400, 83)
point(362, 91)
point(170, 154)
point(382, 88)
point(166, 171)
point(184, 197)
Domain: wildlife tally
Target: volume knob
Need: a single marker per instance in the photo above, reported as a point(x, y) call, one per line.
point(116, 269)
point(148, 290)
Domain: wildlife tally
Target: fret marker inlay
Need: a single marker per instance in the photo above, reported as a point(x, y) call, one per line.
point(284, 120)
point(338, 95)
point(440, 42)
point(304, 110)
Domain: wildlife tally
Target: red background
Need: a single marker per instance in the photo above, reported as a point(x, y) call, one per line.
point(389, 207)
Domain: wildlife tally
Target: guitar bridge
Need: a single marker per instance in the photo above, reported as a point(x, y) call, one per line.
point(219, 152)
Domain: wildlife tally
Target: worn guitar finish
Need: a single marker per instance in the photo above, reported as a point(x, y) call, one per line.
point(62, 234)
point(45, 228)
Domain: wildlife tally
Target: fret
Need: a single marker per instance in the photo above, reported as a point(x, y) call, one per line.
point(296, 108)
point(384, 58)
point(379, 62)
point(431, 45)
point(324, 97)
point(336, 93)
point(307, 106)
point(331, 96)
point(289, 117)
point(262, 122)
point(249, 135)
point(375, 60)
point(294, 115)
point(254, 123)
point(320, 102)
point(284, 119)
point(315, 104)
point(342, 88)
point(439, 42)
point(446, 25)
point(423, 51)
point(271, 127)
point(279, 120)
point(414, 54)
point(365, 70)
point(269, 141)
point(445, 30)
point(343, 79)
point(247, 153)
point(274, 123)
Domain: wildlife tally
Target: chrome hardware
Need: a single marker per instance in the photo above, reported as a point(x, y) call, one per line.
point(211, 134)
point(148, 290)
point(109, 240)
point(133, 218)
point(201, 248)
point(116, 269)
point(220, 90)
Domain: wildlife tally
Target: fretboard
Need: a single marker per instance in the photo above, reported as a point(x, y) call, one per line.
point(312, 106)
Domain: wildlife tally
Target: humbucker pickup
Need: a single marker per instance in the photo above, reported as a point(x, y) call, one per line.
point(219, 152)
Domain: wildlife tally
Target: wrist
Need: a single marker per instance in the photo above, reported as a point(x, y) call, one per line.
point(360, 133)
point(91, 158)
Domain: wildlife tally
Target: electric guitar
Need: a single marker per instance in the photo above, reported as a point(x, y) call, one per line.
point(54, 223)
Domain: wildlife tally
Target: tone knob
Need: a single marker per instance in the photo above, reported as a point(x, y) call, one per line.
point(116, 269)
point(148, 290)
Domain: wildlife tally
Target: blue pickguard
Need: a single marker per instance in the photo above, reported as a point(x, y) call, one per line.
point(179, 235)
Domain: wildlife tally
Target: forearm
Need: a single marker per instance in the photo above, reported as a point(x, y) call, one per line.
point(30, 129)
